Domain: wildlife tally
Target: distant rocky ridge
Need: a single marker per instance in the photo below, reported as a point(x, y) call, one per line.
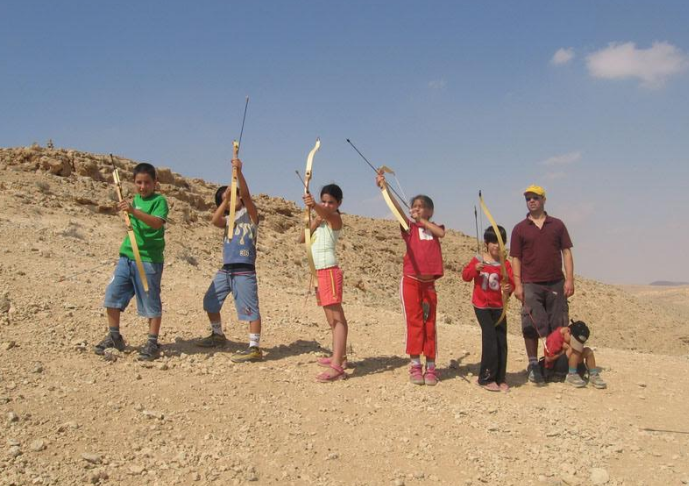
point(667, 283)
point(59, 203)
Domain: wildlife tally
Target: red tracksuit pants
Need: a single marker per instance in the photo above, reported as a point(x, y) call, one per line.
point(421, 336)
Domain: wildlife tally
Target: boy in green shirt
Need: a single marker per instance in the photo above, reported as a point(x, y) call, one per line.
point(148, 214)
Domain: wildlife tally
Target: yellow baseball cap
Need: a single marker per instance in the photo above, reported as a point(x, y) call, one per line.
point(533, 188)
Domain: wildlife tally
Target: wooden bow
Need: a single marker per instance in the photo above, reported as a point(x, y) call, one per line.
point(385, 189)
point(307, 211)
point(130, 231)
point(503, 257)
point(401, 218)
point(229, 229)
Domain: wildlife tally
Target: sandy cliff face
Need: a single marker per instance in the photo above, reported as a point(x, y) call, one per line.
point(59, 205)
point(70, 417)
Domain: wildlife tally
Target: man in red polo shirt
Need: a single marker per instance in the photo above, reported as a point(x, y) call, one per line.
point(538, 247)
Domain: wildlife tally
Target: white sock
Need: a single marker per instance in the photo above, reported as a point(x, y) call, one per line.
point(254, 339)
point(216, 327)
point(430, 364)
point(416, 361)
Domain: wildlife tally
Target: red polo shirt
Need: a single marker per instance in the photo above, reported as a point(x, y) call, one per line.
point(540, 249)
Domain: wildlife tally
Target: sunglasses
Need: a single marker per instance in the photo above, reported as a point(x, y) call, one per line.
point(532, 198)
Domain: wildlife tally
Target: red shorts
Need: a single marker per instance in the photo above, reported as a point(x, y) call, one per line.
point(329, 290)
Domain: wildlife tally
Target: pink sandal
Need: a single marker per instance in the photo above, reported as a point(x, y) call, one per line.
point(325, 362)
point(326, 377)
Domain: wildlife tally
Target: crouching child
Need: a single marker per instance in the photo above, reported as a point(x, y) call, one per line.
point(566, 355)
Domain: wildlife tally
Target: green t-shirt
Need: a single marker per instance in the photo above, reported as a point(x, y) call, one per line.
point(151, 241)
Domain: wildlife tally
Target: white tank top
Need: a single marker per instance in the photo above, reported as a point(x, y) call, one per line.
point(323, 243)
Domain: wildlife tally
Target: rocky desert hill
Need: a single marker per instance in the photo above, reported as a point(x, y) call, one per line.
point(194, 417)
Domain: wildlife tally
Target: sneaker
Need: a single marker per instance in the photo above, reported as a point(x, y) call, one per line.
point(575, 380)
point(254, 353)
point(149, 352)
point(430, 378)
point(212, 341)
point(416, 375)
point(535, 375)
point(109, 342)
point(597, 381)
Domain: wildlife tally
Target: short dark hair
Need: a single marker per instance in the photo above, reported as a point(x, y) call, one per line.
point(145, 168)
point(489, 235)
point(427, 201)
point(218, 195)
point(334, 191)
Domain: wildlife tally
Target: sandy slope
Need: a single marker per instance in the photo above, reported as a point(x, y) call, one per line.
point(71, 417)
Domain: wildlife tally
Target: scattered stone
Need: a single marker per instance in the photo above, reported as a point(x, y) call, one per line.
point(13, 442)
point(153, 414)
point(419, 475)
point(398, 482)
point(136, 469)
point(15, 451)
point(9, 345)
point(333, 455)
point(12, 417)
point(68, 425)
point(599, 476)
point(38, 445)
point(91, 458)
point(5, 302)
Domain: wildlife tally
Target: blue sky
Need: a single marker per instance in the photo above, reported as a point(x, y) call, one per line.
point(589, 99)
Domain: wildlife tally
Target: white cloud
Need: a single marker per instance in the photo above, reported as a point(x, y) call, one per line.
point(437, 84)
point(562, 56)
point(652, 66)
point(562, 159)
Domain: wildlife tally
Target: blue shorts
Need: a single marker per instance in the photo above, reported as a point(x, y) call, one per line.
point(126, 283)
point(244, 288)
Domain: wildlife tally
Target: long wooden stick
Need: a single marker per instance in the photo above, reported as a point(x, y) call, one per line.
point(130, 231)
point(229, 228)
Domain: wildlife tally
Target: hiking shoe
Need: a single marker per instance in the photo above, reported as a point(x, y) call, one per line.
point(212, 341)
point(575, 380)
point(254, 353)
point(416, 375)
point(430, 378)
point(535, 375)
point(597, 381)
point(109, 342)
point(149, 352)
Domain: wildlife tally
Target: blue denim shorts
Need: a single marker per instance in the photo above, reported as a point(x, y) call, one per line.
point(244, 288)
point(126, 283)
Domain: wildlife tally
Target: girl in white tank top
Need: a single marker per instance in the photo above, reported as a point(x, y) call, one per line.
point(325, 228)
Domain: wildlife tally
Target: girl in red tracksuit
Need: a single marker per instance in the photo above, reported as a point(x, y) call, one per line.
point(423, 265)
point(487, 299)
